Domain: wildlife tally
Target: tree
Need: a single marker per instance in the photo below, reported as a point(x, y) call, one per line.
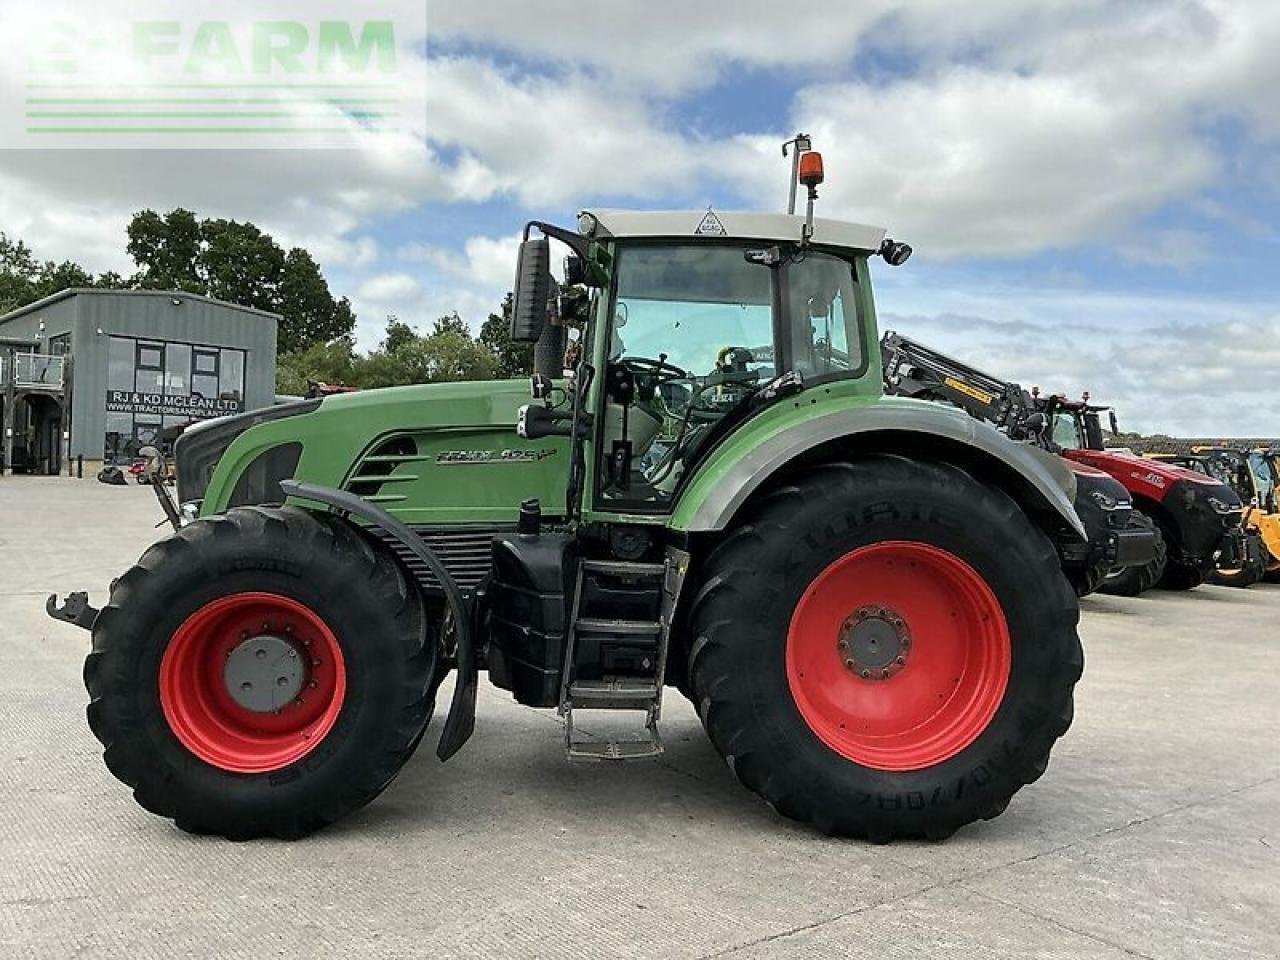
point(398, 335)
point(332, 363)
point(452, 323)
point(239, 263)
point(309, 312)
point(166, 250)
point(19, 272)
point(512, 359)
point(24, 280)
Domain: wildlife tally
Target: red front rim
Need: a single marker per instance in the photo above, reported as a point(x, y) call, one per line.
point(201, 709)
point(941, 684)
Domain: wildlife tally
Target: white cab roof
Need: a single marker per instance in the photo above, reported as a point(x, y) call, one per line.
point(714, 225)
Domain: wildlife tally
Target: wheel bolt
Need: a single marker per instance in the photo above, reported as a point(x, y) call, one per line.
point(884, 674)
point(900, 661)
point(866, 674)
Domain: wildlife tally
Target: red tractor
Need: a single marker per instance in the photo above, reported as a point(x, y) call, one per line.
point(1197, 517)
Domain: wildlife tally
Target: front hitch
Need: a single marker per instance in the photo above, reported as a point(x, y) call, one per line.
point(76, 610)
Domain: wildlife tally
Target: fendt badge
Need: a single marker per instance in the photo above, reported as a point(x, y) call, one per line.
point(461, 457)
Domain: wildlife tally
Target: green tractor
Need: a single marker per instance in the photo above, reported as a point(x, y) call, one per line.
point(861, 596)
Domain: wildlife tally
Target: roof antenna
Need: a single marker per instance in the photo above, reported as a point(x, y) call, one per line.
point(801, 143)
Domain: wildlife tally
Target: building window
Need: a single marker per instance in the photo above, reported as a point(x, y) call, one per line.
point(60, 345)
point(155, 388)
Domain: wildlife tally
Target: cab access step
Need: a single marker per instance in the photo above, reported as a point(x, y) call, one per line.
point(628, 655)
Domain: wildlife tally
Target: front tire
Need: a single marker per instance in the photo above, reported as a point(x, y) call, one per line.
point(1253, 567)
point(262, 673)
point(955, 615)
point(1137, 580)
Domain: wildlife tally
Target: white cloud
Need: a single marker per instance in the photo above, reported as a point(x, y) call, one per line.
point(1181, 366)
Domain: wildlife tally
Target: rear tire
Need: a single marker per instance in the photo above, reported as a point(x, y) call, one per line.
point(775, 693)
point(175, 724)
point(1133, 581)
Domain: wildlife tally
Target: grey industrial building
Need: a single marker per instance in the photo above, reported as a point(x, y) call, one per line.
point(97, 374)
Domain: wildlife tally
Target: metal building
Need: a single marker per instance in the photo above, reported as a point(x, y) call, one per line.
point(98, 374)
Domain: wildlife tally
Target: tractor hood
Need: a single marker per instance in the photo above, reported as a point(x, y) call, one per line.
point(1110, 460)
point(431, 453)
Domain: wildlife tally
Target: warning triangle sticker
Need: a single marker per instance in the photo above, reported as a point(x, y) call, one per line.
point(710, 225)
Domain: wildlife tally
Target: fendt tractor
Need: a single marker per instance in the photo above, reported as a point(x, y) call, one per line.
point(1199, 518)
point(1118, 538)
point(861, 595)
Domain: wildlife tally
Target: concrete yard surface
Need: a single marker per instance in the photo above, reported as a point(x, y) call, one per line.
point(1155, 832)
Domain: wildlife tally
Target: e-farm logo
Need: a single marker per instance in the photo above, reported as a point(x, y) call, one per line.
point(237, 79)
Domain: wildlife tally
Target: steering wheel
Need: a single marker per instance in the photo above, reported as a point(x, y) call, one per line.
point(657, 368)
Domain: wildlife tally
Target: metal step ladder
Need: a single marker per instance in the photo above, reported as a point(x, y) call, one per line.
point(639, 693)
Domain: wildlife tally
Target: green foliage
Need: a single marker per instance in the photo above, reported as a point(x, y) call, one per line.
point(448, 353)
point(513, 359)
point(239, 263)
point(24, 279)
point(332, 363)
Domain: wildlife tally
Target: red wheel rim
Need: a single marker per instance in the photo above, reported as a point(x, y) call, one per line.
point(909, 706)
point(201, 709)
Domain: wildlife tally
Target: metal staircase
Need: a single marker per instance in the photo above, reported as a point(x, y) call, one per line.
point(632, 678)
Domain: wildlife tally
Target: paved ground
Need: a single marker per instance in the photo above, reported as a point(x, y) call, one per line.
point(1155, 833)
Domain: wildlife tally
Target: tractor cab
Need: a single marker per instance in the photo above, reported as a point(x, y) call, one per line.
point(682, 327)
point(1077, 424)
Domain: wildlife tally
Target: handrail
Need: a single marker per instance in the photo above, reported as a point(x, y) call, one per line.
point(40, 370)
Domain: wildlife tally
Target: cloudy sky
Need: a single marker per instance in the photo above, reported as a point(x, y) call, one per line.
point(1091, 186)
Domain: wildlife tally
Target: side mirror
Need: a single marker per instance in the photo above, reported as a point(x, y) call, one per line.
point(532, 290)
point(1115, 426)
point(1036, 424)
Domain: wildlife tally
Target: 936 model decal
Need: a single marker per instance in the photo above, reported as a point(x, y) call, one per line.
point(462, 457)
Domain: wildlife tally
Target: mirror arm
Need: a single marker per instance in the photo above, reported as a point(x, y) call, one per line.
point(571, 239)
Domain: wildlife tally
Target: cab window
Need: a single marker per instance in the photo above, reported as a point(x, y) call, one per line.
point(824, 334)
point(1065, 432)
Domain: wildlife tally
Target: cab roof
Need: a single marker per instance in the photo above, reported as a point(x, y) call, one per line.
point(730, 225)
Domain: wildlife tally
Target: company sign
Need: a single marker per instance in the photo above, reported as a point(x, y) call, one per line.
point(162, 405)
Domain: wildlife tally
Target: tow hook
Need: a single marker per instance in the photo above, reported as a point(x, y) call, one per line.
point(76, 610)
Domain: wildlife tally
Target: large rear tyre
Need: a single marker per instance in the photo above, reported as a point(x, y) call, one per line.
point(1132, 581)
point(885, 649)
point(263, 673)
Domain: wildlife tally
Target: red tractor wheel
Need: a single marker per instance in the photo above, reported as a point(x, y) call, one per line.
point(252, 682)
point(885, 648)
point(260, 674)
point(898, 656)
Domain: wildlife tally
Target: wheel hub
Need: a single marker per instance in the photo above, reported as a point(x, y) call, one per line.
point(264, 673)
point(874, 642)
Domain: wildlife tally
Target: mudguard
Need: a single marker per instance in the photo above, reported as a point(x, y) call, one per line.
point(726, 481)
point(461, 721)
